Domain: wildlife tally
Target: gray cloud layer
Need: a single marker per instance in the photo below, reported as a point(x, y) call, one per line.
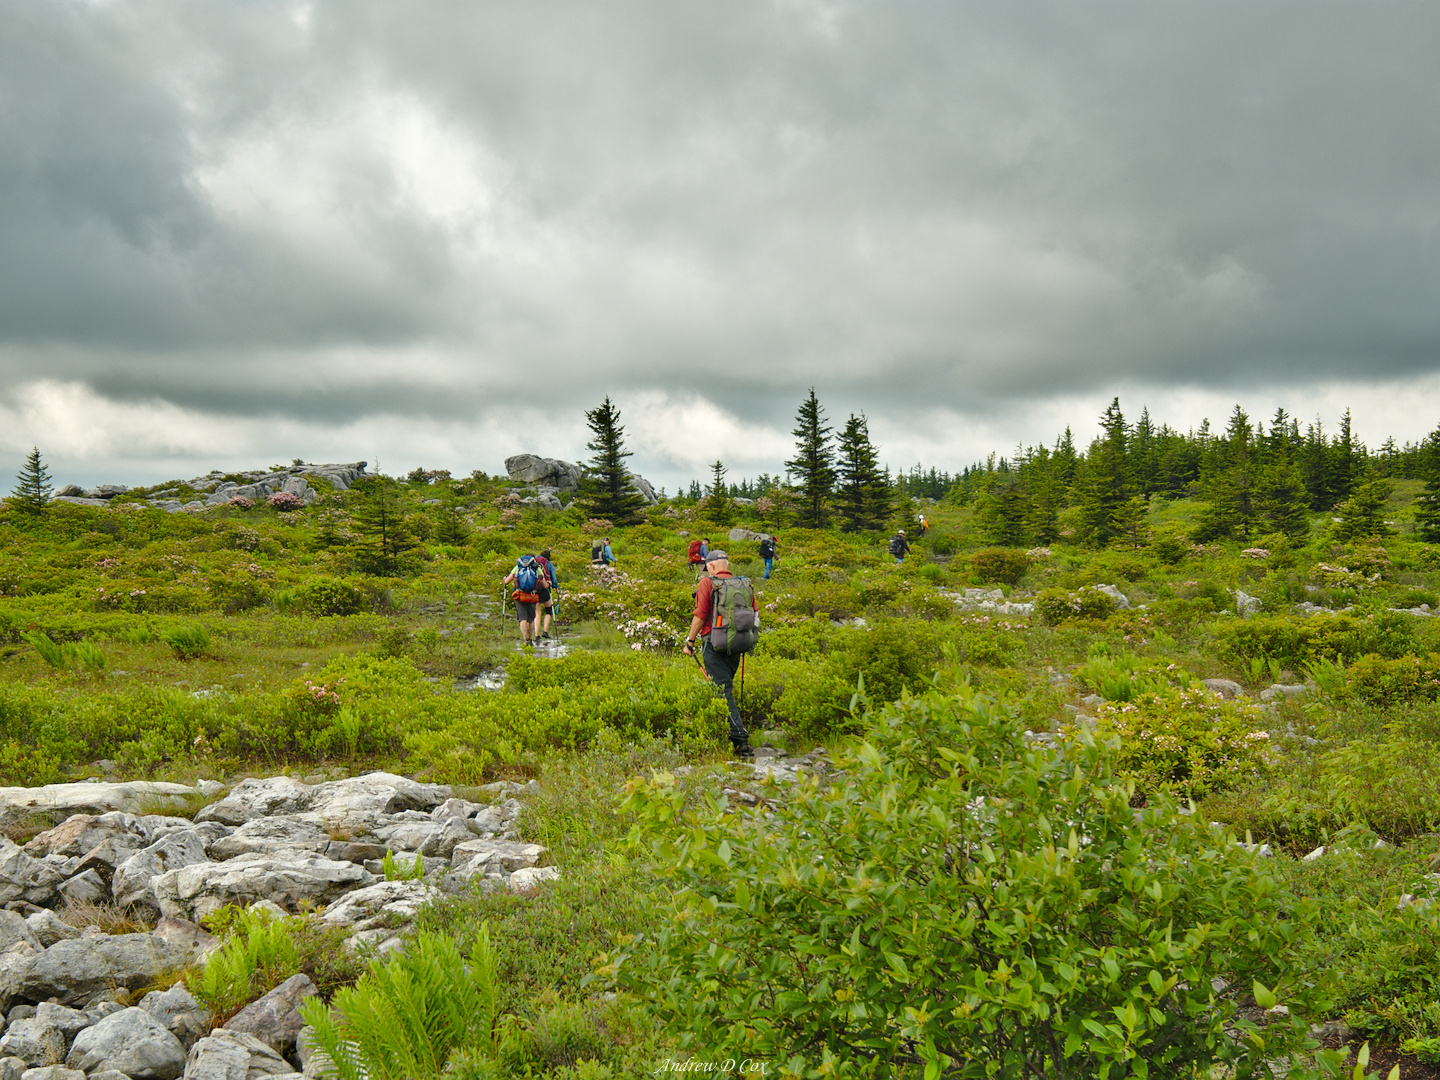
point(325, 211)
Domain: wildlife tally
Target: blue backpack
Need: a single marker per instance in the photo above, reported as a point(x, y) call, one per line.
point(527, 574)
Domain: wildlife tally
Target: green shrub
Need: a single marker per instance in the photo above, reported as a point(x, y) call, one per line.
point(1127, 677)
point(944, 546)
point(188, 642)
point(1296, 642)
point(1056, 606)
point(403, 1019)
point(959, 899)
point(1188, 742)
point(998, 565)
point(1406, 678)
point(330, 596)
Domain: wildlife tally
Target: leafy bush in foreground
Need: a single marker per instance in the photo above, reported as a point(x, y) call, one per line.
point(974, 904)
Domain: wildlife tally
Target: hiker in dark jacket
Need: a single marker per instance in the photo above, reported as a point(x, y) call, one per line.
point(899, 546)
point(767, 553)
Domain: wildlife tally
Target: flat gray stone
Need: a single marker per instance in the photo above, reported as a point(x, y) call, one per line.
point(96, 798)
point(508, 855)
point(193, 892)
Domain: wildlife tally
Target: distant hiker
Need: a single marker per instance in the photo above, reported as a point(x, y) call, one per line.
point(899, 546)
point(526, 577)
point(600, 553)
point(725, 615)
point(924, 525)
point(704, 549)
point(767, 553)
point(548, 592)
point(695, 556)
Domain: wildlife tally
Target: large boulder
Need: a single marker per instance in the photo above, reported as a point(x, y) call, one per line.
point(177, 1011)
point(78, 835)
point(544, 472)
point(270, 836)
point(289, 880)
point(252, 798)
point(394, 898)
point(24, 878)
point(33, 1041)
point(132, 1042)
point(360, 802)
point(506, 855)
point(75, 969)
point(134, 878)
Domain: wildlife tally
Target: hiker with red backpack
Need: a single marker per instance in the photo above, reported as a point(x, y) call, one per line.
point(726, 618)
point(696, 553)
point(528, 578)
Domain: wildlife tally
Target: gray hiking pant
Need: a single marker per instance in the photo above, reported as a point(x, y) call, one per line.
point(721, 667)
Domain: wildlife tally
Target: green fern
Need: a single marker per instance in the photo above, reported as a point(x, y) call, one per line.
point(189, 642)
point(395, 872)
point(53, 654)
point(257, 941)
point(88, 654)
point(404, 1018)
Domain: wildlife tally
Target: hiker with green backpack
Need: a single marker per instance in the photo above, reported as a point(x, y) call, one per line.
point(726, 617)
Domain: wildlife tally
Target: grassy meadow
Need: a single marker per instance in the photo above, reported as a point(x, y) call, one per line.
point(978, 756)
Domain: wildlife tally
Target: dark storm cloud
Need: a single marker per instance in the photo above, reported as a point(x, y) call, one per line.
point(322, 212)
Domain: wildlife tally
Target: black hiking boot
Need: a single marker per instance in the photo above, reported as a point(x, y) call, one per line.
point(744, 751)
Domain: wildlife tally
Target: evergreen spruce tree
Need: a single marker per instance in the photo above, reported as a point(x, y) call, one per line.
point(1363, 514)
point(1045, 486)
point(1127, 522)
point(32, 493)
point(1104, 482)
point(813, 465)
point(381, 536)
point(1281, 502)
point(1227, 482)
point(1001, 512)
point(863, 496)
point(718, 507)
point(1427, 510)
point(605, 489)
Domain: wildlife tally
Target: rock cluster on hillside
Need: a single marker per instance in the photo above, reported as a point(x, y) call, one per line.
point(555, 482)
point(275, 843)
point(219, 488)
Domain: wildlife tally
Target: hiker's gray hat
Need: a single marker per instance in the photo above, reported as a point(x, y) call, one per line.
point(716, 556)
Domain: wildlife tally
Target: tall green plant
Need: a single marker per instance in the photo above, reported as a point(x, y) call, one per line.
point(32, 490)
point(404, 1018)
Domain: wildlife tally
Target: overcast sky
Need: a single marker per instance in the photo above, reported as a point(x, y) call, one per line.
point(436, 233)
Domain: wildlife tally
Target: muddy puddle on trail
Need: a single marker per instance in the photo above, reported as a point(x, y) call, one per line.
point(494, 679)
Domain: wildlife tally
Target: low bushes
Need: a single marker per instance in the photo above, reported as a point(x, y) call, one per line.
point(1056, 606)
point(1188, 742)
point(970, 905)
point(998, 565)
